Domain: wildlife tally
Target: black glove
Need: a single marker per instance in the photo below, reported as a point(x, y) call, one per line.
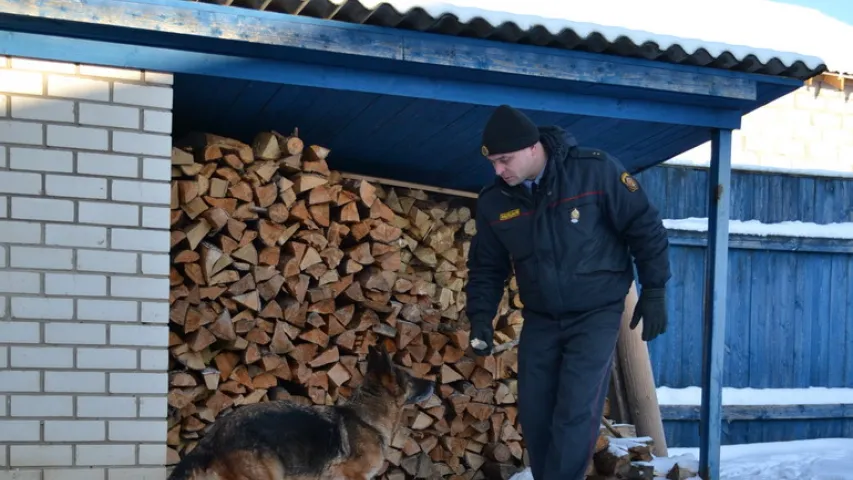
point(651, 306)
point(482, 330)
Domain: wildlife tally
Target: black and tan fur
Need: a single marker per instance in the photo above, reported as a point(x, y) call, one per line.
point(281, 440)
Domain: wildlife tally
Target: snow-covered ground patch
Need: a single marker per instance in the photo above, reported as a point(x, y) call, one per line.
point(823, 459)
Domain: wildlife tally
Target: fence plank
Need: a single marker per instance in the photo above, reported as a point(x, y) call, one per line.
point(790, 304)
point(679, 193)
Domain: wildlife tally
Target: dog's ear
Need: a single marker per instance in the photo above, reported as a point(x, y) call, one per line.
point(378, 359)
point(380, 367)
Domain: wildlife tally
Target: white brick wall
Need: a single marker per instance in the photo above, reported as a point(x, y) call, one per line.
point(807, 129)
point(84, 264)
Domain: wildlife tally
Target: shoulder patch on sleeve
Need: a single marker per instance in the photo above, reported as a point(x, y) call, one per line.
point(629, 182)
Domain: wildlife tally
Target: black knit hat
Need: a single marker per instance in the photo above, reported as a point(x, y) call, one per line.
point(508, 130)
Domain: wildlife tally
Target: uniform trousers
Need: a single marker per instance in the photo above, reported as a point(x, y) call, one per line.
point(564, 366)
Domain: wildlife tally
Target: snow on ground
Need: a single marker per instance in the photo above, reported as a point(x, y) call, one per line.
point(822, 459)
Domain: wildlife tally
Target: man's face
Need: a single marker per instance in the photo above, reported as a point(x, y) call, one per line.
point(514, 167)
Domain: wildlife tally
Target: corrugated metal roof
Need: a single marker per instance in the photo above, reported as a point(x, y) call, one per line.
point(759, 37)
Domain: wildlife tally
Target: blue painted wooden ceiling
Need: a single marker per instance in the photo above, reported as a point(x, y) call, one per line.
point(411, 139)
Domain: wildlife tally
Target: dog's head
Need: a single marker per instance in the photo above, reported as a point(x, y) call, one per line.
point(394, 380)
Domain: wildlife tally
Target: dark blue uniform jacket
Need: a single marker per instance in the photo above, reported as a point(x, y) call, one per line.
point(571, 242)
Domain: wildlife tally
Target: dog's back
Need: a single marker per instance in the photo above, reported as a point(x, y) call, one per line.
point(280, 440)
point(269, 439)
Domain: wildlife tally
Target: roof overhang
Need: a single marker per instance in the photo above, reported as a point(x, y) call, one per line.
point(425, 96)
point(612, 27)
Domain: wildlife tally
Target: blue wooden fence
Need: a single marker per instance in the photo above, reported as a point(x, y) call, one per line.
point(790, 305)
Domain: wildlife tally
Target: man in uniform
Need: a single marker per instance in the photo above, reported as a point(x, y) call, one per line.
point(567, 220)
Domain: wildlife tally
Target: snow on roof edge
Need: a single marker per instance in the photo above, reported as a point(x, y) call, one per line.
point(757, 36)
point(789, 34)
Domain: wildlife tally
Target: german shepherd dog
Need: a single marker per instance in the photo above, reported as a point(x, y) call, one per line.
point(282, 440)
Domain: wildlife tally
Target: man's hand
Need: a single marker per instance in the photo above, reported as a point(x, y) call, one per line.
point(482, 337)
point(651, 306)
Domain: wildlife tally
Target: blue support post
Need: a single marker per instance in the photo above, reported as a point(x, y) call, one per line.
point(714, 325)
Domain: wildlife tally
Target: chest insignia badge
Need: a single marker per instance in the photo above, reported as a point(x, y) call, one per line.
point(510, 214)
point(576, 215)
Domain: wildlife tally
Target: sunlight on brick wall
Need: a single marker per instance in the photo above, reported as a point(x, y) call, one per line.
point(811, 128)
point(84, 264)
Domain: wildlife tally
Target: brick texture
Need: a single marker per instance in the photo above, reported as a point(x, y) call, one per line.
point(84, 288)
point(806, 129)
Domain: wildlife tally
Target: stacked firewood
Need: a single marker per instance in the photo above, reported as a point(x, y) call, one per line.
point(284, 272)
